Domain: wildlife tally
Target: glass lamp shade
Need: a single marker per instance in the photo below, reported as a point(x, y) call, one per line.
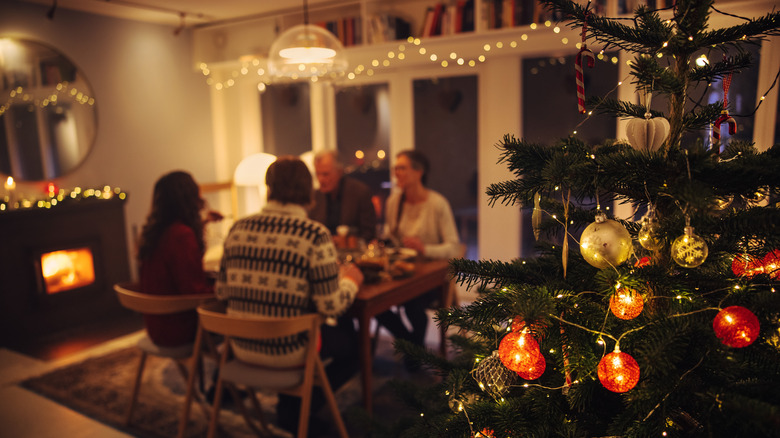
point(304, 51)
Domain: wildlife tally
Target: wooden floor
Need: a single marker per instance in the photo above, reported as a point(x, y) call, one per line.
point(66, 343)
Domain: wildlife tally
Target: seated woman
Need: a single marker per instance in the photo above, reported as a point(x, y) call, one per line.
point(170, 254)
point(418, 218)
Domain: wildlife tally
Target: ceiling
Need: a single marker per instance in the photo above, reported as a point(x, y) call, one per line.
point(194, 12)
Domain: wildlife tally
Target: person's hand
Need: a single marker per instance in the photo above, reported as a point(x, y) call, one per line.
point(414, 243)
point(213, 216)
point(351, 271)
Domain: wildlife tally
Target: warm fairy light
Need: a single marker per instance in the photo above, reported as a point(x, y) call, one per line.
point(380, 154)
point(626, 303)
point(618, 371)
point(736, 326)
point(359, 154)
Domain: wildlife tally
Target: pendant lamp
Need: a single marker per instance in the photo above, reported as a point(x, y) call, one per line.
point(306, 51)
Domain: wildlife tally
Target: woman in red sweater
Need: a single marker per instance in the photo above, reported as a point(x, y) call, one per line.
point(170, 254)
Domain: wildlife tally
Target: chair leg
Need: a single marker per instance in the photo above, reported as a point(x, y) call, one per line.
point(243, 411)
point(136, 388)
point(196, 367)
point(215, 408)
point(331, 399)
point(258, 409)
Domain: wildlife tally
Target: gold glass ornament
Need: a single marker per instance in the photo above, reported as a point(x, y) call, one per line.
point(689, 250)
point(649, 235)
point(605, 243)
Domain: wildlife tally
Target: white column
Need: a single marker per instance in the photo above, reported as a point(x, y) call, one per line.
point(764, 128)
point(323, 115)
point(499, 226)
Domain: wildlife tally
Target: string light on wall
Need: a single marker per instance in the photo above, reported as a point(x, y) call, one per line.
point(406, 51)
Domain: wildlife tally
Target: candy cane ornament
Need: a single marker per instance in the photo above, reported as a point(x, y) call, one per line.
point(724, 115)
point(591, 61)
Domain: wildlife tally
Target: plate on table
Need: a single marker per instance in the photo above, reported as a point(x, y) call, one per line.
point(401, 253)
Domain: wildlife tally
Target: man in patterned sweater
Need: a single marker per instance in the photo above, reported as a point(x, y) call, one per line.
point(280, 263)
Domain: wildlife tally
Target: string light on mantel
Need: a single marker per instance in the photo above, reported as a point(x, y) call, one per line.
point(413, 46)
point(55, 197)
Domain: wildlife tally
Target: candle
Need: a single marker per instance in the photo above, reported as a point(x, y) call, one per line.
point(10, 184)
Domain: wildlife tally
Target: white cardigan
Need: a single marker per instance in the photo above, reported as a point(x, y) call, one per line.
point(432, 221)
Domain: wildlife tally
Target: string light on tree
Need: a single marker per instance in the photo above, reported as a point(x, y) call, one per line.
point(771, 264)
point(618, 371)
point(626, 303)
point(519, 351)
point(534, 371)
point(745, 265)
point(736, 326)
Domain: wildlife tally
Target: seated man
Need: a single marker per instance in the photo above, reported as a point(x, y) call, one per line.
point(342, 200)
point(281, 263)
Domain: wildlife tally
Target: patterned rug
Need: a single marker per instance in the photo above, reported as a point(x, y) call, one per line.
point(100, 388)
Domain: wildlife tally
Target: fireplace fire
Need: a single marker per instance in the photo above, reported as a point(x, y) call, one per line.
point(67, 269)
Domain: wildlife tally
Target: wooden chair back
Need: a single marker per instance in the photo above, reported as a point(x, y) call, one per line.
point(214, 319)
point(131, 298)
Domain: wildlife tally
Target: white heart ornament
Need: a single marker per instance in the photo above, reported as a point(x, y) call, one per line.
point(648, 133)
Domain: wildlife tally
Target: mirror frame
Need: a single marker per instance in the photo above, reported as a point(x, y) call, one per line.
point(48, 116)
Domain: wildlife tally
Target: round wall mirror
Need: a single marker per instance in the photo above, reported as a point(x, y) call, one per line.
point(47, 112)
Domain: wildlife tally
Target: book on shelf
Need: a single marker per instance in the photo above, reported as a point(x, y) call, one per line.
point(449, 18)
point(384, 27)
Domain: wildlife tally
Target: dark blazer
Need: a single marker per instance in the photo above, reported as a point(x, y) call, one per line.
point(357, 209)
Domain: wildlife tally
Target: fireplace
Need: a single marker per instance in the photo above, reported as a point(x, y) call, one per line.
point(58, 267)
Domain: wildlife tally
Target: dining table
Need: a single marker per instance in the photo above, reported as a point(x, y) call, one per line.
point(375, 298)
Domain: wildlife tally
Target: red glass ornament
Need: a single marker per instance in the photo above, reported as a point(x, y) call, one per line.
point(534, 371)
point(771, 264)
point(618, 372)
point(746, 265)
point(736, 326)
point(626, 303)
point(518, 351)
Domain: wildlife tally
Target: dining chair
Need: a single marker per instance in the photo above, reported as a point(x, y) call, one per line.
point(297, 382)
point(131, 298)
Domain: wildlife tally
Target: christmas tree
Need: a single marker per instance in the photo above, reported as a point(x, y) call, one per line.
point(665, 325)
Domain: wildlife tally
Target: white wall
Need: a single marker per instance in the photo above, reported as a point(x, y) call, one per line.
point(154, 110)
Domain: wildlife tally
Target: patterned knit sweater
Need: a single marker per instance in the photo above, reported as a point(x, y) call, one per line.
point(280, 263)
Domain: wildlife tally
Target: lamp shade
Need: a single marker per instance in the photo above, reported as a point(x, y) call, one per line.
point(251, 170)
point(304, 51)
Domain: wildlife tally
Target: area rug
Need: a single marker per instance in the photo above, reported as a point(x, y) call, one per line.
point(100, 388)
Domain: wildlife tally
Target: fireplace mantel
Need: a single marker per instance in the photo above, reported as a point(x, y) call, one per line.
point(27, 312)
